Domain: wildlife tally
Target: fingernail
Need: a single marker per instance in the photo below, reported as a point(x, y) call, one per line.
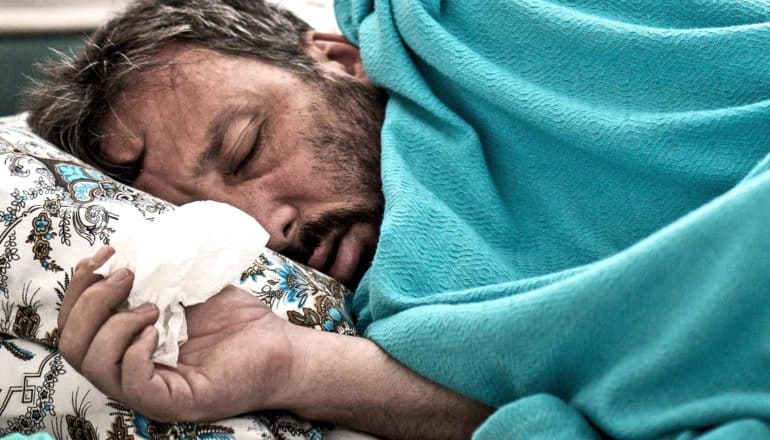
point(144, 308)
point(118, 276)
point(101, 255)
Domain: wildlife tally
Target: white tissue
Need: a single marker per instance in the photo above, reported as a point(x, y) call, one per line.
point(183, 258)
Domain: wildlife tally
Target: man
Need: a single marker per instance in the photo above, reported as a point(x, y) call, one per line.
point(283, 123)
point(538, 160)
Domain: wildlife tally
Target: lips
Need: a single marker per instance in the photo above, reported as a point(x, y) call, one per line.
point(339, 255)
point(320, 257)
point(347, 258)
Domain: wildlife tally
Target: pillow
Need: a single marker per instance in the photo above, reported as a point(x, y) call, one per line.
point(54, 211)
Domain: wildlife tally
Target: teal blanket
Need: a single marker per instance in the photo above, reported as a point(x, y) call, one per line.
point(577, 225)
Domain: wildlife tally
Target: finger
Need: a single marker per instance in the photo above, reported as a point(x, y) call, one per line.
point(102, 363)
point(141, 384)
point(138, 367)
point(94, 307)
point(82, 278)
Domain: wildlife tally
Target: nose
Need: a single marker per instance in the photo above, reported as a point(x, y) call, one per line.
point(282, 223)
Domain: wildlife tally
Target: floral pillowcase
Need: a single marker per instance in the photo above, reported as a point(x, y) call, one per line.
point(54, 211)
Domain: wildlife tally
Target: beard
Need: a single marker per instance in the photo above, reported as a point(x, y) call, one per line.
point(346, 137)
point(347, 134)
point(316, 229)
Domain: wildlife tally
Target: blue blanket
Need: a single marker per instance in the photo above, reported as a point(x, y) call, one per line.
point(577, 225)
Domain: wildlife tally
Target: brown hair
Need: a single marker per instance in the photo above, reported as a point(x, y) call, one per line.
point(70, 104)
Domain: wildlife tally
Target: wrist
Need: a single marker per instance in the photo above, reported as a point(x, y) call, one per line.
point(281, 373)
point(321, 369)
point(351, 382)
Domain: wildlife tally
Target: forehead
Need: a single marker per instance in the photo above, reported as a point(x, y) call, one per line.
point(169, 111)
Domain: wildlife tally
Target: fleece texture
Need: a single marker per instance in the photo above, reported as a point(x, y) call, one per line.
point(577, 225)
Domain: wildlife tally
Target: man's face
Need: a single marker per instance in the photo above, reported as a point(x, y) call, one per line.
point(299, 156)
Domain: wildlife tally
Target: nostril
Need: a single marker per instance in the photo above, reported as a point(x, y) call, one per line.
point(283, 219)
point(287, 230)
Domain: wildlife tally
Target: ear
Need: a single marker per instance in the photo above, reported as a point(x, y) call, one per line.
point(334, 53)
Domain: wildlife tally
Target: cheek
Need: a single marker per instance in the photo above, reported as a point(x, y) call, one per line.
point(162, 187)
point(292, 170)
point(169, 185)
point(321, 180)
point(278, 185)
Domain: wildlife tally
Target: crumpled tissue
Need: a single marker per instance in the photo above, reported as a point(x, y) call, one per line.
point(183, 258)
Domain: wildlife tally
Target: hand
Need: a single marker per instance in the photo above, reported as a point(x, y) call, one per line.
point(240, 357)
point(237, 357)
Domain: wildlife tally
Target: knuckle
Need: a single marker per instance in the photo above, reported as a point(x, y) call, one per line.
point(85, 297)
point(96, 295)
point(67, 350)
point(121, 322)
point(89, 369)
point(82, 267)
point(64, 345)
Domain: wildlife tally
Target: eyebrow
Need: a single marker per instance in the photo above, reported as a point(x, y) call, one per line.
point(217, 130)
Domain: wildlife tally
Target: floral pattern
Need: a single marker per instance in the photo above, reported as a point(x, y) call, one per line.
point(55, 210)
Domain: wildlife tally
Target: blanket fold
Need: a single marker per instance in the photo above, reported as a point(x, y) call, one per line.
point(577, 203)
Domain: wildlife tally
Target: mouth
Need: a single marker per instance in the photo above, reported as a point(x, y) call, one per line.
point(326, 250)
point(339, 255)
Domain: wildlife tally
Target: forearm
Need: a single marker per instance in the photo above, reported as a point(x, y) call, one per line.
point(351, 382)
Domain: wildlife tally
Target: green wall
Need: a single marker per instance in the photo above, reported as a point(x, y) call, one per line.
point(18, 53)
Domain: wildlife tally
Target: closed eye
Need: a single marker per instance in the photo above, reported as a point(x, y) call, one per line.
point(253, 151)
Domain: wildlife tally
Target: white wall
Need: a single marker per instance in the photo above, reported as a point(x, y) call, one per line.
point(25, 16)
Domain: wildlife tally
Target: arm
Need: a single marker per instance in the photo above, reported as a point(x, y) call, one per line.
point(354, 383)
point(241, 358)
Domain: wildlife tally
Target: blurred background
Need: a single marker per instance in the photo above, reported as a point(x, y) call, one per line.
point(30, 29)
